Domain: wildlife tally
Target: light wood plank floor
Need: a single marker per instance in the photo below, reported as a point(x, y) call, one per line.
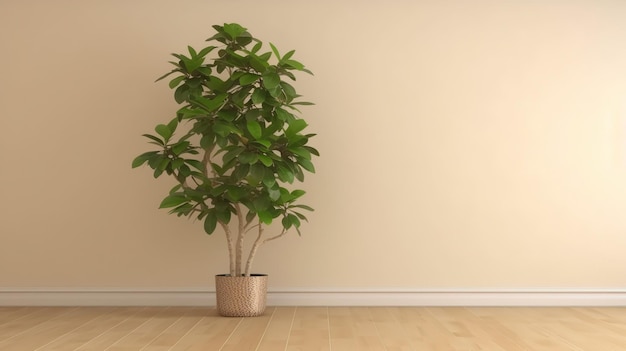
point(314, 328)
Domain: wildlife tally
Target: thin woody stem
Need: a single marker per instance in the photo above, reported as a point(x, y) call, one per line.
point(229, 240)
point(206, 160)
point(257, 243)
point(255, 247)
point(240, 240)
point(276, 237)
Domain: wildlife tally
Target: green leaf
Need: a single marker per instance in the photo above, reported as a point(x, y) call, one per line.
point(207, 104)
point(241, 171)
point(297, 193)
point(210, 222)
point(163, 164)
point(141, 159)
point(296, 126)
point(312, 150)
point(273, 193)
point(244, 39)
point(303, 207)
point(192, 51)
point(248, 157)
point(172, 125)
point(176, 163)
point(301, 216)
point(257, 47)
point(152, 137)
point(294, 64)
point(235, 193)
point(263, 142)
point(294, 220)
point(195, 164)
point(271, 80)
point(288, 55)
point(169, 73)
point(176, 81)
point(181, 94)
point(190, 64)
point(204, 70)
point(284, 174)
point(232, 153)
point(154, 161)
point(258, 63)
point(175, 188)
point(265, 160)
point(223, 129)
point(223, 215)
point(178, 148)
point(257, 171)
point(248, 79)
point(206, 50)
point(216, 84)
point(301, 151)
point(207, 141)
point(163, 131)
point(299, 174)
point(283, 115)
point(173, 201)
point(265, 57)
point(258, 96)
point(289, 90)
point(285, 196)
point(306, 164)
point(265, 217)
point(233, 30)
point(250, 216)
point(286, 222)
point(269, 180)
point(184, 170)
point(276, 93)
point(255, 129)
point(261, 203)
point(275, 51)
point(157, 172)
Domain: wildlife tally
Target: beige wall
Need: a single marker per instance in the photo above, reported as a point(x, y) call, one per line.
point(466, 144)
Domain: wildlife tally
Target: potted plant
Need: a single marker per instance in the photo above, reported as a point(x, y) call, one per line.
point(234, 148)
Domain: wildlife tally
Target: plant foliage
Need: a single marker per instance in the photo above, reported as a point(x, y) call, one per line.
point(236, 141)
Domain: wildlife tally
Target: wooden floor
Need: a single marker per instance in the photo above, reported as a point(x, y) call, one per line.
point(314, 328)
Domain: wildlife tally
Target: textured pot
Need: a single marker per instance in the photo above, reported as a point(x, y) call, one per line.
point(241, 296)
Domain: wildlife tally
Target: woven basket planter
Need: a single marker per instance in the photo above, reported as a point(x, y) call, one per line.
point(241, 296)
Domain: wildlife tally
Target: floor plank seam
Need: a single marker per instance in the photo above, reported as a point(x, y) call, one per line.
point(265, 330)
point(38, 325)
point(163, 331)
point(106, 331)
point(231, 333)
point(73, 330)
point(187, 333)
point(371, 319)
point(132, 331)
point(293, 318)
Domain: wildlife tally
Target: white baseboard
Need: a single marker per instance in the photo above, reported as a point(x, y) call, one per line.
point(318, 297)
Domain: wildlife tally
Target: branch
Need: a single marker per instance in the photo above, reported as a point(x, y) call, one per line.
point(257, 243)
point(206, 160)
point(240, 240)
point(229, 240)
point(255, 247)
point(276, 237)
point(249, 229)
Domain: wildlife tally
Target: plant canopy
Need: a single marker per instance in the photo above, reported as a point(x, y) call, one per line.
point(236, 143)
